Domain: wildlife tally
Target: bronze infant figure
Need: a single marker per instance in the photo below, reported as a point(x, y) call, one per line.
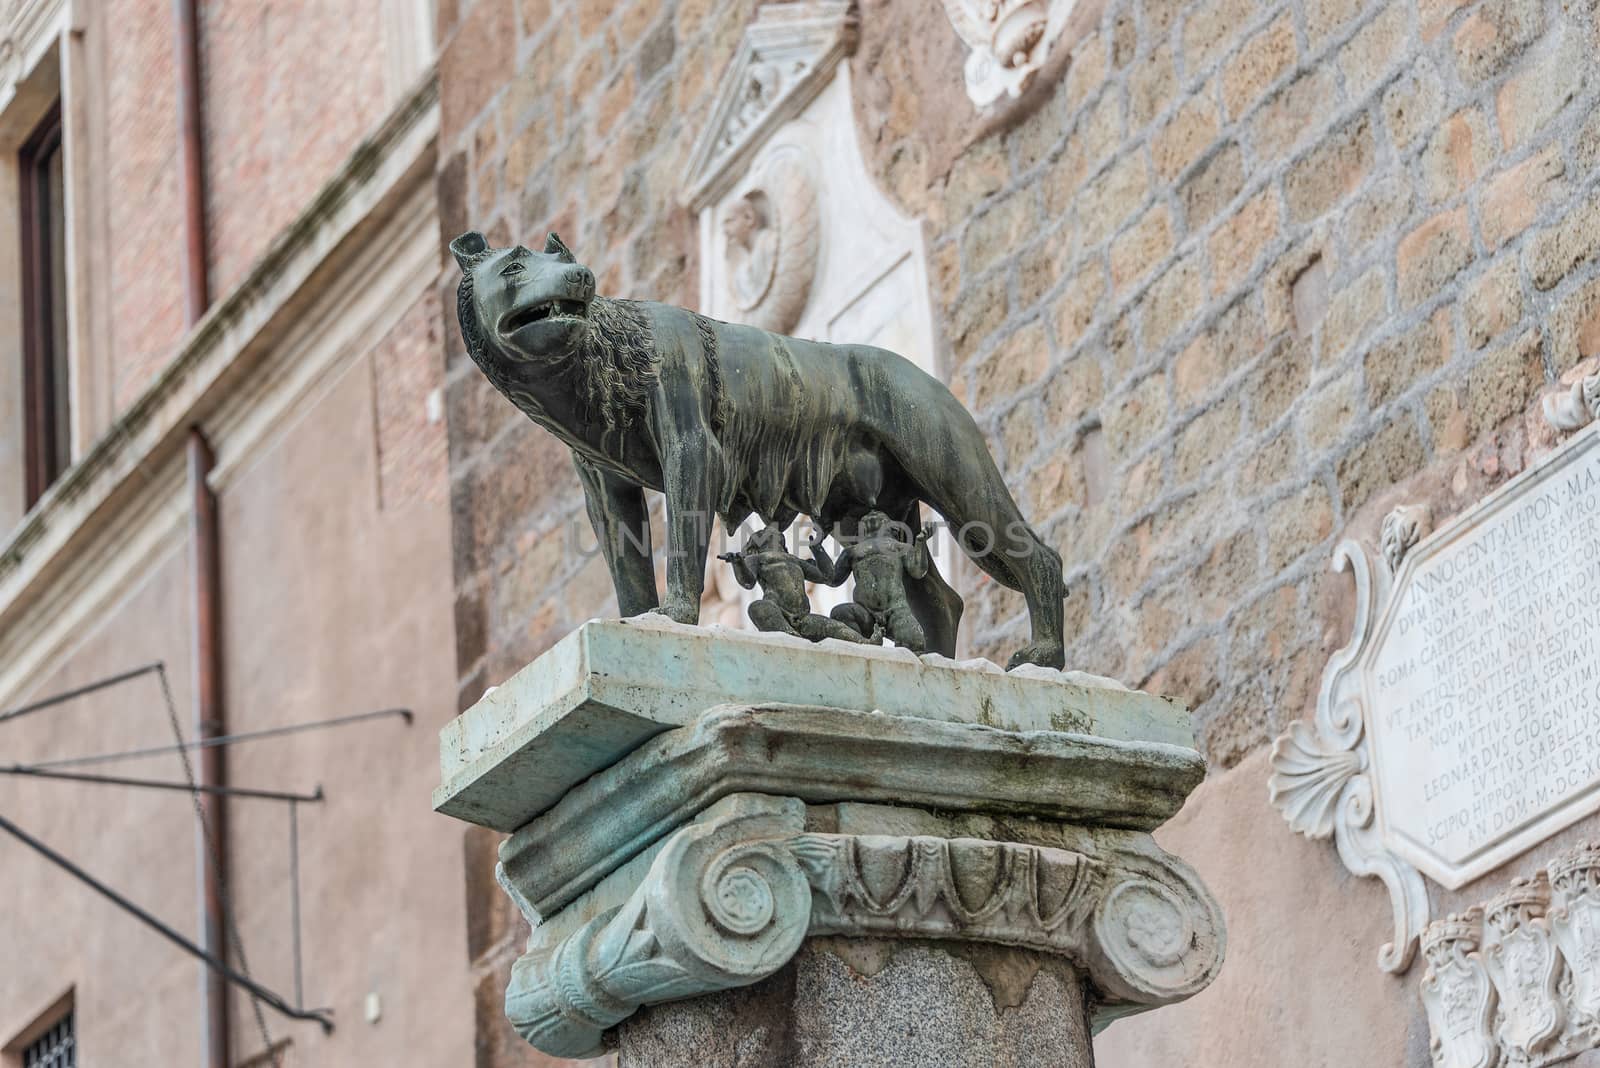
point(783, 605)
point(730, 421)
point(882, 560)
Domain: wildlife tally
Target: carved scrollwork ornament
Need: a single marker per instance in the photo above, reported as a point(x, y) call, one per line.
point(727, 902)
point(723, 905)
point(1321, 779)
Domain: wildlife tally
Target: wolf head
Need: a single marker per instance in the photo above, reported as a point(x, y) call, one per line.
point(532, 322)
point(522, 305)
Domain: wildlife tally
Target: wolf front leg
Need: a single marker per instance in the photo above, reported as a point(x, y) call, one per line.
point(691, 472)
point(622, 526)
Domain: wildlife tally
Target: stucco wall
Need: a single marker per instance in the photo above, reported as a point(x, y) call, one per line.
point(338, 603)
point(140, 841)
point(336, 591)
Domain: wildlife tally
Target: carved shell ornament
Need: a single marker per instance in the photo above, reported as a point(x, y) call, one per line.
point(1402, 529)
point(771, 243)
point(1575, 407)
point(1321, 779)
point(1009, 41)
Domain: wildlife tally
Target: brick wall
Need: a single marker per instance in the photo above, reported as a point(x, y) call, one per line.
point(1213, 293)
point(290, 88)
point(144, 209)
point(408, 416)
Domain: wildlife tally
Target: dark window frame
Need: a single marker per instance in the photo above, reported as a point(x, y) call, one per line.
point(44, 455)
point(55, 1046)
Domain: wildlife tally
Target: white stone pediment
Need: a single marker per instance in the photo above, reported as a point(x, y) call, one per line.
point(786, 59)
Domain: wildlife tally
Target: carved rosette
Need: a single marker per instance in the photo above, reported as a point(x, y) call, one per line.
point(1457, 993)
point(1158, 933)
point(729, 901)
point(1320, 770)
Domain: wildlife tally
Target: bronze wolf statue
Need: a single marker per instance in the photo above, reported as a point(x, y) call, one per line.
point(729, 420)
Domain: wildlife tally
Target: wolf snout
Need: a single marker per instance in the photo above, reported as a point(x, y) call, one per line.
point(580, 283)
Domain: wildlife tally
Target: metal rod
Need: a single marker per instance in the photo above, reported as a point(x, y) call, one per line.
point(80, 691)
point(210, 718)
point(216, 965)
point(226, 739)
point(294, 898)
point(161, 784)
point(191, 170)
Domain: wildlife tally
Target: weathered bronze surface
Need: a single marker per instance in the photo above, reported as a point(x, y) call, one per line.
point(730, 421)
point(882, 561)
point(783, 605)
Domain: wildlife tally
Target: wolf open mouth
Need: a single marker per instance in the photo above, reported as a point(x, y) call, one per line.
point(550, 309)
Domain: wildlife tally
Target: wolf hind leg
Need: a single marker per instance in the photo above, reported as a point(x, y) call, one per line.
point(996, 538)
point(1045, 591)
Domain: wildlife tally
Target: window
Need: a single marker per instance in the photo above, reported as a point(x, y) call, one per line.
point(46, 417)
point(57, 1047)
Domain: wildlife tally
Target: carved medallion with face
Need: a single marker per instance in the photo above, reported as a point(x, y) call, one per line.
point(771, 242)
point(752, 236)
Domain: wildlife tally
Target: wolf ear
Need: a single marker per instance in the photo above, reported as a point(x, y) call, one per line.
point(554, 246)
point(467, 246)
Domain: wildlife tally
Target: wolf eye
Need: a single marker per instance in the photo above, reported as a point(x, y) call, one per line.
point(514, 267)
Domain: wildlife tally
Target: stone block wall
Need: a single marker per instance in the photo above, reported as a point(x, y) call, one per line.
point(1215, 291)
point(1240, 269)
point(1248, 267)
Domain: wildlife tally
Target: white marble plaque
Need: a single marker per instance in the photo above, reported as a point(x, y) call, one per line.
point(1460, 726)
point(1483, 680)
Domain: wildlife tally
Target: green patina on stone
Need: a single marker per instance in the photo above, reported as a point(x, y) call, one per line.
point(610, 686)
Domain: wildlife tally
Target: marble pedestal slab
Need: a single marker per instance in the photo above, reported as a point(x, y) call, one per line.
point(612, 684)
point(830, 863)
